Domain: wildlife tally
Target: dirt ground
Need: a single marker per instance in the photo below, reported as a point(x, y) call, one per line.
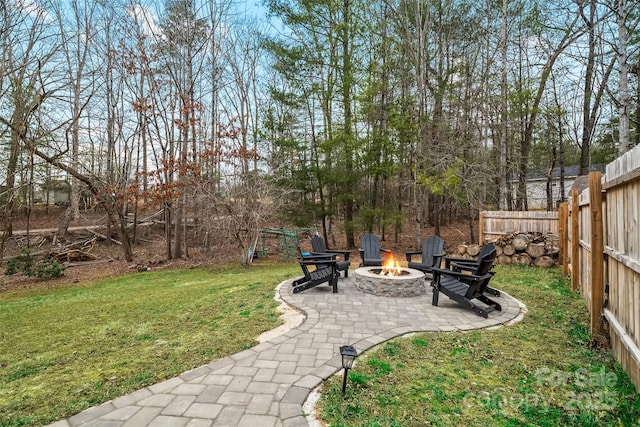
point(149, 253)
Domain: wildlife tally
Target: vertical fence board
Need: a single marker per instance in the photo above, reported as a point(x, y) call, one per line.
point(575, 240)
point(562, 229)
point(597, 251)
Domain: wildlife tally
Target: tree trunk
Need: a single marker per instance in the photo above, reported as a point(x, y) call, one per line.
point(623, 76)
point(587, 124)
point(502, 177)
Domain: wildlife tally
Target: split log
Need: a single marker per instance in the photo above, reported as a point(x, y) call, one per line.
point(504, 259)
point(520, 242)
point(511, 247)
point(522, 259)
point(535, 250)
point(509, 250)
point(462, 249)
point(543, 261)
point(473, 250)
point(554, 252)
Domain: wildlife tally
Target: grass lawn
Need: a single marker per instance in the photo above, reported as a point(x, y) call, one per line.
point(539, 372)
point(66, 349)
point(63, 350)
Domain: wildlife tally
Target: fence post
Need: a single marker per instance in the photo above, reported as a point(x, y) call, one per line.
point(563, 235)
point(597, 251)
point(481, 228)
point(575, 240)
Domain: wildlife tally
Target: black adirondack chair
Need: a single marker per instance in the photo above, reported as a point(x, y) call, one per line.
point(317, 269)
point(320, 248)
point(370, 250)
point(432, 253)
point(471, 265)
point(466, 263)
point(465, 288)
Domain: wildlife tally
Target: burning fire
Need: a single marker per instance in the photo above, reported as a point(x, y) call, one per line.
point(390, 266)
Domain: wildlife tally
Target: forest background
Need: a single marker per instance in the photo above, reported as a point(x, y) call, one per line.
point(351, 115)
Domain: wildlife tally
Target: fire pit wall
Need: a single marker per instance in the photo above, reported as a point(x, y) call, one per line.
point(409, 284)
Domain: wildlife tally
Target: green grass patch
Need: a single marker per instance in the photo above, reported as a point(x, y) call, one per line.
point(539, 372)
point(66, 349)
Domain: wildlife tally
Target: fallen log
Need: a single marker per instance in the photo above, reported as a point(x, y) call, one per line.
point(73, 255)
point(103, 237)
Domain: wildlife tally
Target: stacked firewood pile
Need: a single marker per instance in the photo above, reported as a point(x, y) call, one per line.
point(530, 248)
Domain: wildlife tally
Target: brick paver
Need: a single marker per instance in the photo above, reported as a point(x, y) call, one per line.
point(268, 384)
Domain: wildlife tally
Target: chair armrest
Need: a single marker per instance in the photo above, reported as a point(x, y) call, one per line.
point(317, 259)
point(464, 265)
point(457, 259)
point(344, 253)
point(449, 259)
point(447, 272)
point(411, 253)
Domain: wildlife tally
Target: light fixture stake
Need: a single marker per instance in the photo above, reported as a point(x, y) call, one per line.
point(348, 354)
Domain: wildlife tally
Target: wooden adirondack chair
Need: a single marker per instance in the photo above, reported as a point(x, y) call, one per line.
point(464, 288)
point(432, 253)
point(370, 250)
point(471, 265)
point(317, 269)
point(320, 248)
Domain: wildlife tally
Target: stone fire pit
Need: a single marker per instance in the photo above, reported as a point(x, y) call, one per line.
point(409, 284)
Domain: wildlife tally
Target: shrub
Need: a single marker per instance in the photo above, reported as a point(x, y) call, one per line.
point(25, 263)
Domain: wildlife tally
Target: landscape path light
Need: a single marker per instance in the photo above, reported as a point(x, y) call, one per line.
point(349, 355)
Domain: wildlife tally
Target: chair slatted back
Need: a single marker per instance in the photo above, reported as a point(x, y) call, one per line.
point(486, 262)
point(431, 247)
point(486, 249)
point(370, 244)
point(318, 244)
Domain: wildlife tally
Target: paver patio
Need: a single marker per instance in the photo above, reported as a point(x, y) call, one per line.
point(268, 384)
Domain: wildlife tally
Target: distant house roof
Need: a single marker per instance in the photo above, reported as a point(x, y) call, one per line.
point(569, 171)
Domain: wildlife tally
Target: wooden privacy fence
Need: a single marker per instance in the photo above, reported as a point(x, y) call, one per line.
point(599, 238)
point(600, 248)
point(495, 224)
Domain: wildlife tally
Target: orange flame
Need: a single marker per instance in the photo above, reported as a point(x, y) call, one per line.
point(390, 266)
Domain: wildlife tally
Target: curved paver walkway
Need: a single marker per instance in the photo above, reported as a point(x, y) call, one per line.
point(268, 384)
